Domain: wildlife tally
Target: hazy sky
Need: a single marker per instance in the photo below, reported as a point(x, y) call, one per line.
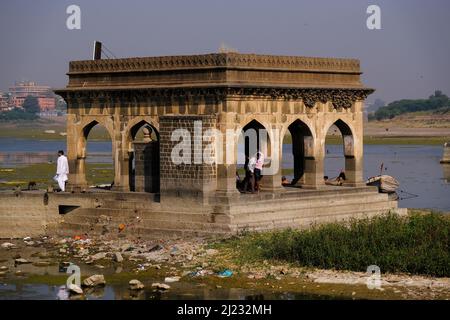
point(408, 58)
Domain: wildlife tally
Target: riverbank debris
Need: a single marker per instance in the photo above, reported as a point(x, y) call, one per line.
point(161, 286)
point(136, 285)
point(94, 281)
point(225, 273)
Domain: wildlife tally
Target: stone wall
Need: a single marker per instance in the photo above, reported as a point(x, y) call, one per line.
point(189, 179)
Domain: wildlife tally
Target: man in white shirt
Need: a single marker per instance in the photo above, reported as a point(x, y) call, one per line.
point(259, 163)
point(62, 170)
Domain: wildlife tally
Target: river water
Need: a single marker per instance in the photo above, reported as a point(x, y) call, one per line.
point(424, 182)
point(180, 291)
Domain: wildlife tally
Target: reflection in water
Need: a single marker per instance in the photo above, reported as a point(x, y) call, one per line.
point(182, 291)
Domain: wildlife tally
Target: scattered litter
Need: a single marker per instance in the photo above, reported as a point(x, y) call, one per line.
point(141, 267)
point(225, 273)
point(121, 227)
point(201, 273)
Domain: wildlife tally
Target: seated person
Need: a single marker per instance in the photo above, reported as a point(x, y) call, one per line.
point(284, 181)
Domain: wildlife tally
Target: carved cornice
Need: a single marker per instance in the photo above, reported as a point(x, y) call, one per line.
point(217, 60)
point(339, 97)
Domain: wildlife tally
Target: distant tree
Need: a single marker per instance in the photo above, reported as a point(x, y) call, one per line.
point(31, 105)
point(17, 114)
point(393, 109)
point(61, 105)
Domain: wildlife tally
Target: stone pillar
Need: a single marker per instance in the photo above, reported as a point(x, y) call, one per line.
point(122, 170)
point(76, 156)
point(227, 159)
point(354, 149)
point(307, 166)
point(271, 180)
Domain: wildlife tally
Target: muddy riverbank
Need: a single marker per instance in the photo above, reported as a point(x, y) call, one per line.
point(195, 268)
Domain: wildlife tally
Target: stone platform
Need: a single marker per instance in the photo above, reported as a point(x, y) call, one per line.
point(32, 213)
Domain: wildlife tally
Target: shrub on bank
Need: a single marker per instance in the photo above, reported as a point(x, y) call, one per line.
point(417, 243)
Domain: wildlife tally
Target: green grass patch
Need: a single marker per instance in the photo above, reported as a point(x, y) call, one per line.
point(416, 244)
point(43, 173)
point(371, 140)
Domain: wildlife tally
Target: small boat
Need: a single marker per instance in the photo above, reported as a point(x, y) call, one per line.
point(385, 183)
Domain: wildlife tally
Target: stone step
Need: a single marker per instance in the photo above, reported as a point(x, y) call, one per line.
point(304, 203)
point(305, 222)
point(275, 213)
point(295, 194)
point(126, 214)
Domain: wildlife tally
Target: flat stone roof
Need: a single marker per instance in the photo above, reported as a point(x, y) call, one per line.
point(214, 70)
point(216, 60)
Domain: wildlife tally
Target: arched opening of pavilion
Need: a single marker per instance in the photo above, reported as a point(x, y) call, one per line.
point(339, 154)
point(96, 161)
point(144, 158)
point(253, 138)
point(298, 154)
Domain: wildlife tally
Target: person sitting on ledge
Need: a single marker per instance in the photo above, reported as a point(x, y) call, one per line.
point(341, 178)
point(338, 181)
point(285, 181)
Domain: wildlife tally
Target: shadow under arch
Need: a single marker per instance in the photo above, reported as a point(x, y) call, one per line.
point(144, 157)
point(348, 149)
point(302, 151)
point(255, 137)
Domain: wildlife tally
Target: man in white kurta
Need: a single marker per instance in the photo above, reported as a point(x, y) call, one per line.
point(62, 171)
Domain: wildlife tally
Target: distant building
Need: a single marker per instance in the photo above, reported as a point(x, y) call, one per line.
point(22, 90)
point(4, 99)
